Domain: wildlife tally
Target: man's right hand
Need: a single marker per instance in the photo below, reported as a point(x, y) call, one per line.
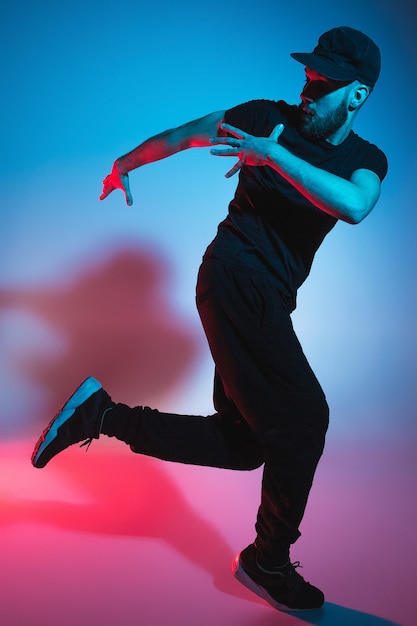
point(117, 180)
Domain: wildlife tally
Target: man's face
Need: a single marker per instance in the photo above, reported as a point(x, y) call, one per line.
point(324, 106)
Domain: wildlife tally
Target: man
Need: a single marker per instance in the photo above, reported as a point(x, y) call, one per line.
point(302, 168)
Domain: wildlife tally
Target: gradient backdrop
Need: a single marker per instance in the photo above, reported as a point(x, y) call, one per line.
point(96, 288)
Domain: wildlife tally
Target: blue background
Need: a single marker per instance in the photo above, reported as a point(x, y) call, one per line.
point(84, 83)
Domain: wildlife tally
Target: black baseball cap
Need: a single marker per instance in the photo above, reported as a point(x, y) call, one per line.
point(344, 54)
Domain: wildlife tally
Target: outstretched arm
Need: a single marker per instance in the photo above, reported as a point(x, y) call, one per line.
point(191, 135)
point(348, 200)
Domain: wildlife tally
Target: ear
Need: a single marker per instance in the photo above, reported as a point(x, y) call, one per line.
point(358, 96)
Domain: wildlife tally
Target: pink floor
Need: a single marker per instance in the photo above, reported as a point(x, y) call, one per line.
point(110, 538)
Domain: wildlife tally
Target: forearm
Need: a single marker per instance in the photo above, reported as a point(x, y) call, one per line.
point(332, 194)
point(348, 200)
point(153, 149)
point(193, 134)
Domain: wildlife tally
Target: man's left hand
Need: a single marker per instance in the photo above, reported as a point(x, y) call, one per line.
point(249, 149)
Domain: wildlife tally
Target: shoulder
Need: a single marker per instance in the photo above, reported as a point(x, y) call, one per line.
point(258, 115)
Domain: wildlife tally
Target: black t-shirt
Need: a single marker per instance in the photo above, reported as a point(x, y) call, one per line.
point(270, 225)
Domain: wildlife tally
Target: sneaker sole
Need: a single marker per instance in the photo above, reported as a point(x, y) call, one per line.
point(240, 575)
point(80, 395)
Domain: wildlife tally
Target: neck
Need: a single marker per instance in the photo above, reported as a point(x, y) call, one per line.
point(341, 133)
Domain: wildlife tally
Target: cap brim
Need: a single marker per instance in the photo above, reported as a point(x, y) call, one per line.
point(323, 66)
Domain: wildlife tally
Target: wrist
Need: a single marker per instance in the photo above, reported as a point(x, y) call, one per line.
point(121, 166)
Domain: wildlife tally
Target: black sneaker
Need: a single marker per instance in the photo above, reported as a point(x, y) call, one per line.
point(80, 419)
point(285, 590)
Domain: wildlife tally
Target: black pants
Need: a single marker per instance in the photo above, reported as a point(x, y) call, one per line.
point(270, 407)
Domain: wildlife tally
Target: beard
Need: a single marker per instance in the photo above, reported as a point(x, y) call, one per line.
point(317, 128)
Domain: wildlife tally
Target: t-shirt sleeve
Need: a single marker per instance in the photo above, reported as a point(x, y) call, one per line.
point(376, 161)
point(255, 117)
point(240, 115)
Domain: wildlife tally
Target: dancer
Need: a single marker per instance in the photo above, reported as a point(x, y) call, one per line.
point(301, 169)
